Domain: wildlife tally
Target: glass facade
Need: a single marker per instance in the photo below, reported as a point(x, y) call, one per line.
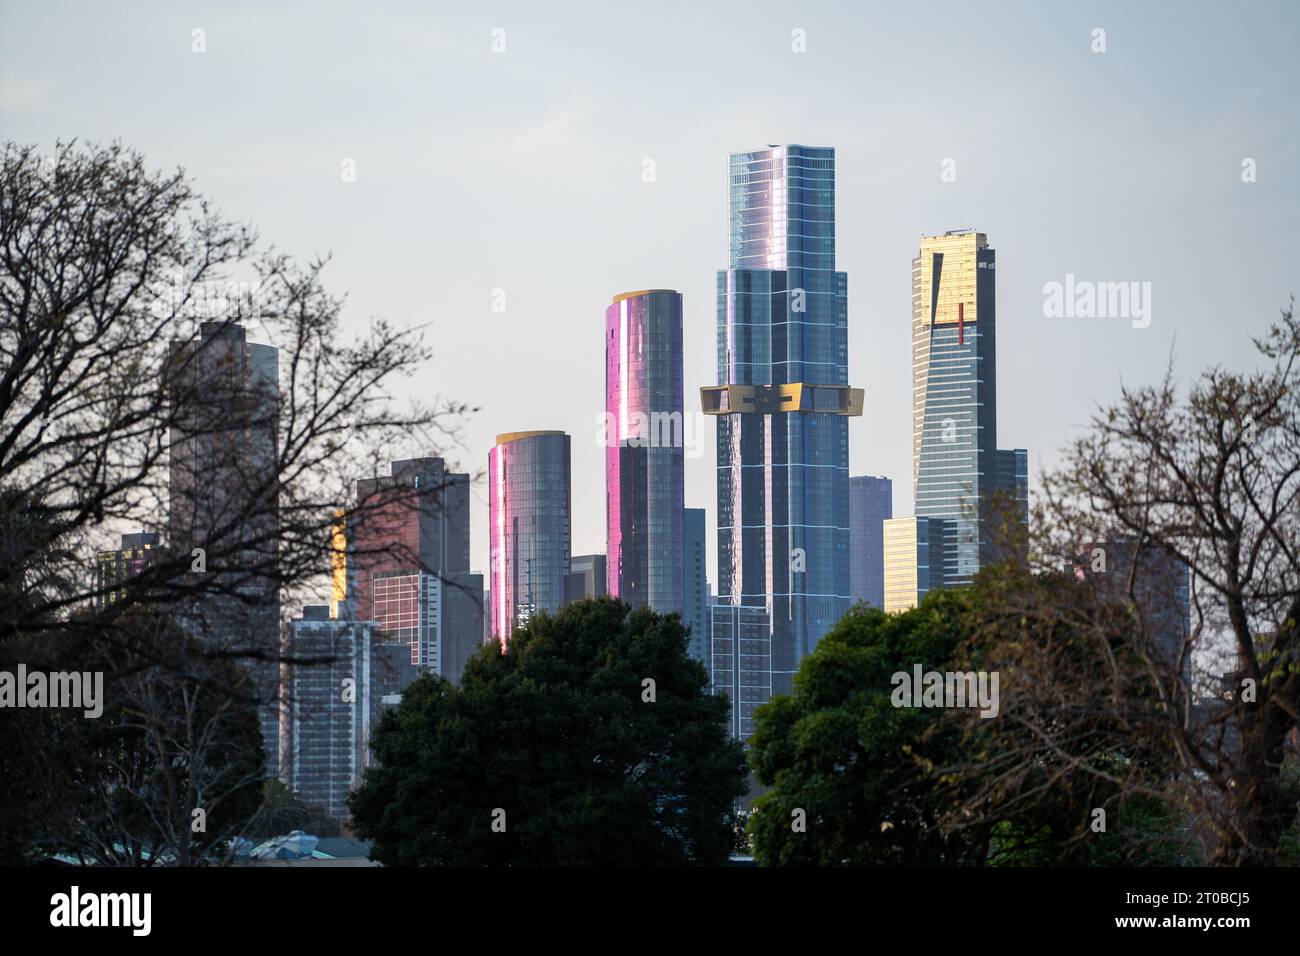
point(782, 353)
point(954, 393)
point(740, 662)
point(644, 448)
point(695, 582)
point(913, 560)
point(529, 508)
point(414, 519)
point(871, 504)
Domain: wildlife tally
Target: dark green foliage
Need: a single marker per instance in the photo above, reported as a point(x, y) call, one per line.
point(862, 770)
point(557, 734)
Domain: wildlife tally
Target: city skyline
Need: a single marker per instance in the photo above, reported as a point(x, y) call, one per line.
point(543, 145)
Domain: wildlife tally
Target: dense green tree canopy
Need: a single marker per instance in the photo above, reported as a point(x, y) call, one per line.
point(559, 752)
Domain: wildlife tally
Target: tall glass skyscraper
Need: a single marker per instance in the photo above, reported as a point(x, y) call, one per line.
point(783, 397)
point(644, 448)
point(956, 465)
point(954, 393)
point(529, 508)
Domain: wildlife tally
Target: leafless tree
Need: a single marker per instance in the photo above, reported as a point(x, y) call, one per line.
point(1102, 678)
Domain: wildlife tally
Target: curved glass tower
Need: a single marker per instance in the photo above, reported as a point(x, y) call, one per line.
point(644, 448)
point(783, 398)
point(528, 526)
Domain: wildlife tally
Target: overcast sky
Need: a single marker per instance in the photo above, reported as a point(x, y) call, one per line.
point(522, 170)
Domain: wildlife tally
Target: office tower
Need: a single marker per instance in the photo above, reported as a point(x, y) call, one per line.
point(783, 397)
point(914, 560)
point(740, 662)
point(437, 616)
point(587, 576)
point(414, 519)
point(644, 448)
point(224, 501)
point(695, 582)
point(112, 568)
point(528, 526)
point(871, 504)
point(325, 687)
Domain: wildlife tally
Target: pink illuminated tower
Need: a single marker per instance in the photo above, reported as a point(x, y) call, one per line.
point(645, 439)
point(528, 527)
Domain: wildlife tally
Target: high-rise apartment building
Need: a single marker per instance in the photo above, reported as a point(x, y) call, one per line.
point(783, 399)
point(871, 504)
point(529, 508)
point(113, 568)
point(695, 582)
point(957, 468)
point(414, 519)
point(326, 686)
point(439, 617)
point(223, 506)
point(644, 448)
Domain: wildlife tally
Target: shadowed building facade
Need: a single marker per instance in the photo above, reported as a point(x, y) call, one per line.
point(224, 502)
point(871, 504)
point(783, 402)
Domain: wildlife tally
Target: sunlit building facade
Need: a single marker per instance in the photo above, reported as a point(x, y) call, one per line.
point(644, 448)
point(783, 402)
point(529, 509)
point(913, 560)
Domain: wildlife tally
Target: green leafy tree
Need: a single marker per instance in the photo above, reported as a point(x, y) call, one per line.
point(858, 780)
point(854, 779)
point(592, 740)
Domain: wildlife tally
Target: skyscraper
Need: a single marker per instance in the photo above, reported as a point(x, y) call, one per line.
point(529, 495)
point(414, 519)
point(695, 582)
point(644, 448)
point(954, 391)
point(783, 397)
point(224, 501)
point(871, 503)
point(957, 468)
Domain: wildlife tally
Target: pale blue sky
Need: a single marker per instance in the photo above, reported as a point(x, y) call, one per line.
point(522, 170)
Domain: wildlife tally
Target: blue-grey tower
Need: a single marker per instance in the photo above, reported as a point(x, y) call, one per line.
point(783, 399)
